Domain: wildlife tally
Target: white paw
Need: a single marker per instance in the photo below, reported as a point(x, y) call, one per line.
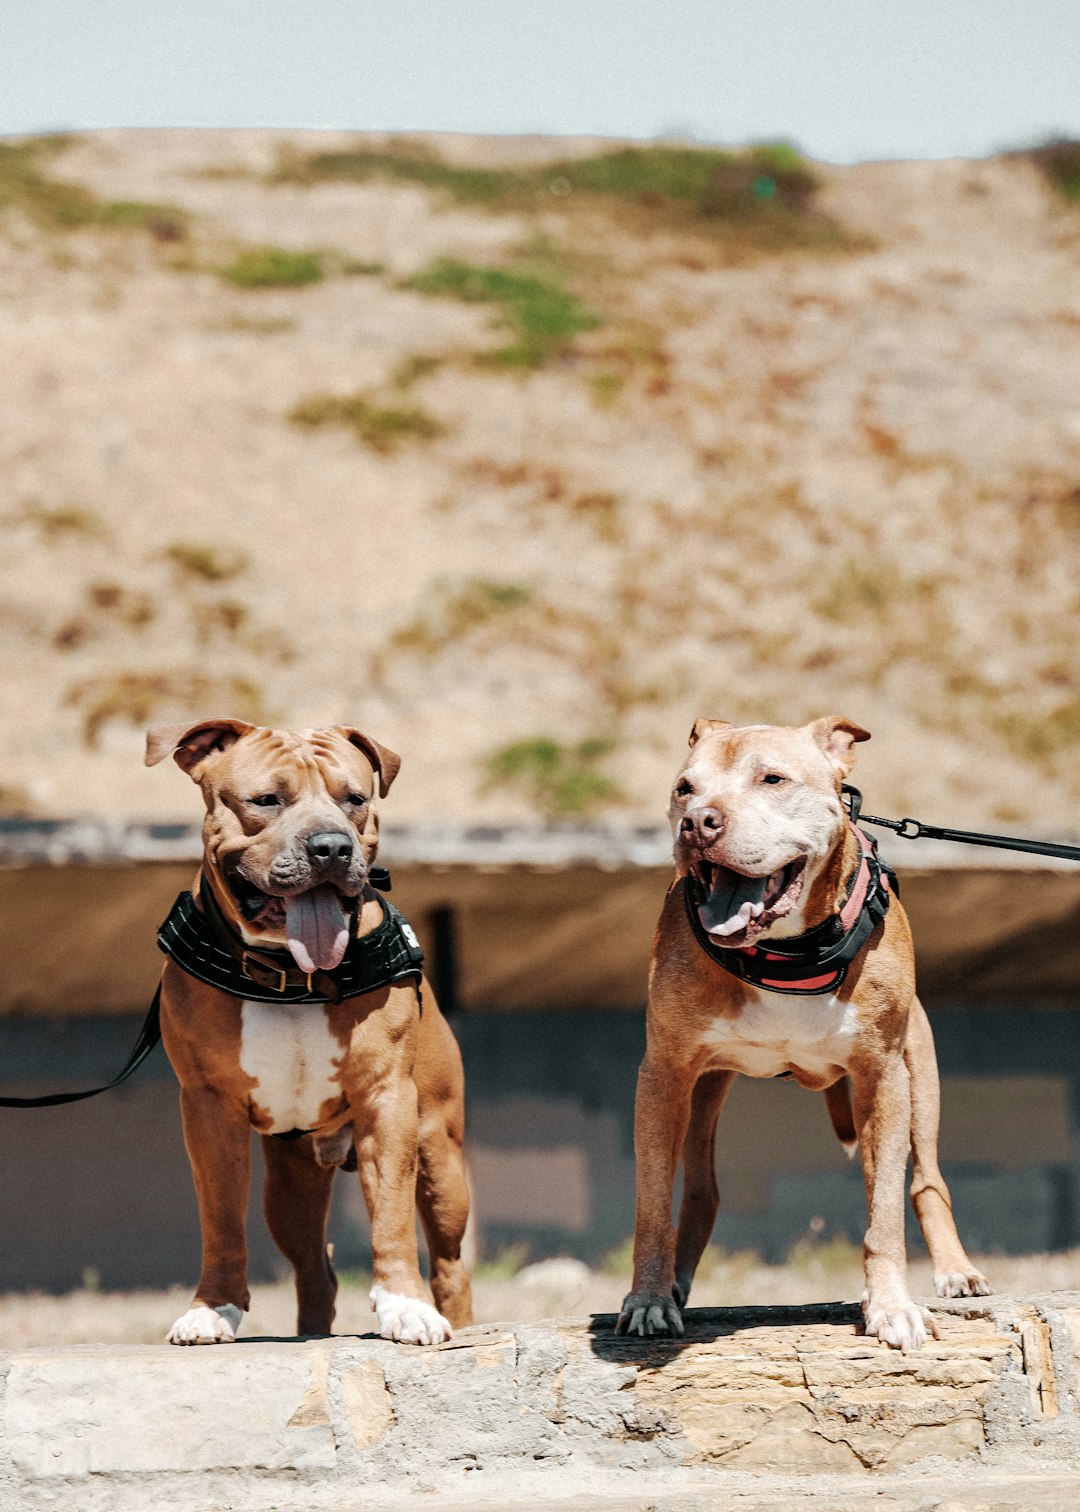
point(899, 1323)
point(970, 1283)
point(408, 1320)
point(206, 1325)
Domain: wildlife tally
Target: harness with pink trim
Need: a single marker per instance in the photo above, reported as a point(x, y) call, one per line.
point(817, 961)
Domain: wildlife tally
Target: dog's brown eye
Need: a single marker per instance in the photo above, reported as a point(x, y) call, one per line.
point(683, 789)
point(773, 777)
point(357, 798)
point(266, 800)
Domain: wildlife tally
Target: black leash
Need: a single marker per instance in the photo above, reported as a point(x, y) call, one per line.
point(149, 1035)
point(914, 829)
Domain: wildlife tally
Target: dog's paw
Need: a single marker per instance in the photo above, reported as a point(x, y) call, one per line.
point(408, 1320)
point(206, 1325)
point(900, 1324)
point(646, 1313)
point(969, 1283)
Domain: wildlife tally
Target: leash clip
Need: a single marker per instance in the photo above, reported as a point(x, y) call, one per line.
point(909, 829)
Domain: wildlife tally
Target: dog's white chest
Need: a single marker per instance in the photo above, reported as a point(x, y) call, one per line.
point(289, 1051)
point(776, 1030)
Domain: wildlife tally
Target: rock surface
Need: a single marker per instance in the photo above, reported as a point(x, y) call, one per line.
point(750, 1400)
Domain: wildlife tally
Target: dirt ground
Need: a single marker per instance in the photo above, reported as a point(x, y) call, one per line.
point(762, 487)
point(548, 1289)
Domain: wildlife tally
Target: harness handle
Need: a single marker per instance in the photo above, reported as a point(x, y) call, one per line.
point(915, 829)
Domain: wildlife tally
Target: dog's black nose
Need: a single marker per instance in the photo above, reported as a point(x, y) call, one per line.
point(703, 825)
point(330, 845)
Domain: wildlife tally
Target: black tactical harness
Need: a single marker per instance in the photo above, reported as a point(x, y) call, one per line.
point(198, 939)
point(815, 962)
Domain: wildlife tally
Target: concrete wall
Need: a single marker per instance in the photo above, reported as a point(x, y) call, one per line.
point(102, 1188)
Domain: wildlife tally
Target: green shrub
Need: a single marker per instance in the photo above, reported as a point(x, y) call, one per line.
point(59, 206)
point(55, 521)
point(212, 563)
point(273, 268)
point(557, 780)
point(761, 195)
point(1041, 738)
point(1059, 163)
point(382, 428)
point(412, 163)
point(453, 612)
point(654, 173)
point(541, 313)
point(138, 698)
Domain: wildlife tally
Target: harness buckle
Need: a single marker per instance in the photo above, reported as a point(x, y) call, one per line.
point(267, 967)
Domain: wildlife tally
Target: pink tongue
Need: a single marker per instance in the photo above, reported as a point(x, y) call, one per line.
point(316, 929)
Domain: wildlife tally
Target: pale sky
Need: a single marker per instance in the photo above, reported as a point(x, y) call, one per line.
point(844, 79)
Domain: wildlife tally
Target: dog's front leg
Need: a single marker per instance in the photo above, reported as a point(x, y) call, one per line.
point(661, 1116)
point(217, 1133)
point(386, 1155)
point(882, 1106)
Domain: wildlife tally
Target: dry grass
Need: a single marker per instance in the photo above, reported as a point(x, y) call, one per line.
point(542, 315)
point(53, 204)
point(558, 781)
point(55, 522)
point(383, 428)
point(273, 268)
point(206, 561)
point(764, 488)
point(141, 698)
point(761, 200)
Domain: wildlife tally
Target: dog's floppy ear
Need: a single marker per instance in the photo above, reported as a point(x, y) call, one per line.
point(191, 744)
point(706, 727)
point(386, 764)
point(837, 737)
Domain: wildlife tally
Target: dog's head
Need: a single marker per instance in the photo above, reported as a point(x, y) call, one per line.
point(756, 813)
point(290, 828)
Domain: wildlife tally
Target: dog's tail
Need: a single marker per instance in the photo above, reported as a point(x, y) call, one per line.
point(838, 1097)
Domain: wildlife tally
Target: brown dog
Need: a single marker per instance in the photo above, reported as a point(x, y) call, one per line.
point(764, 854)
point(289, 838)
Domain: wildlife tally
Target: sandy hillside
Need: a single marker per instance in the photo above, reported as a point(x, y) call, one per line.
point(526, 464)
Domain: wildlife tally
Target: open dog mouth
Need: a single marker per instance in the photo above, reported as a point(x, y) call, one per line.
point(318, 923)
point(737, 908)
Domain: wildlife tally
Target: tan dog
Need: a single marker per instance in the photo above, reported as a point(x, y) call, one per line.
point(764, 853)
point(289, 837)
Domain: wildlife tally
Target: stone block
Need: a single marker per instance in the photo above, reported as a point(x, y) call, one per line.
point(97, 1412)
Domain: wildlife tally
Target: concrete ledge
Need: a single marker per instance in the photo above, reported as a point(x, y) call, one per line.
point(541, 1411)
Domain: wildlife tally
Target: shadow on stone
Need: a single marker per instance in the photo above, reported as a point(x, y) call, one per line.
point(709, 1323)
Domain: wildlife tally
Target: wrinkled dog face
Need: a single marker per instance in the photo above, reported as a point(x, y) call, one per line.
point(290, 828)
point(755, 813)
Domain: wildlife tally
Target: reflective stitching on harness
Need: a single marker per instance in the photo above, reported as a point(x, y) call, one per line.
point(390, 953)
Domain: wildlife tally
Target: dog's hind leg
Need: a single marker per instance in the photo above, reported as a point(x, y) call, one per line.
point(296, 1200)
point(954, 1274)
point(700, 1196)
